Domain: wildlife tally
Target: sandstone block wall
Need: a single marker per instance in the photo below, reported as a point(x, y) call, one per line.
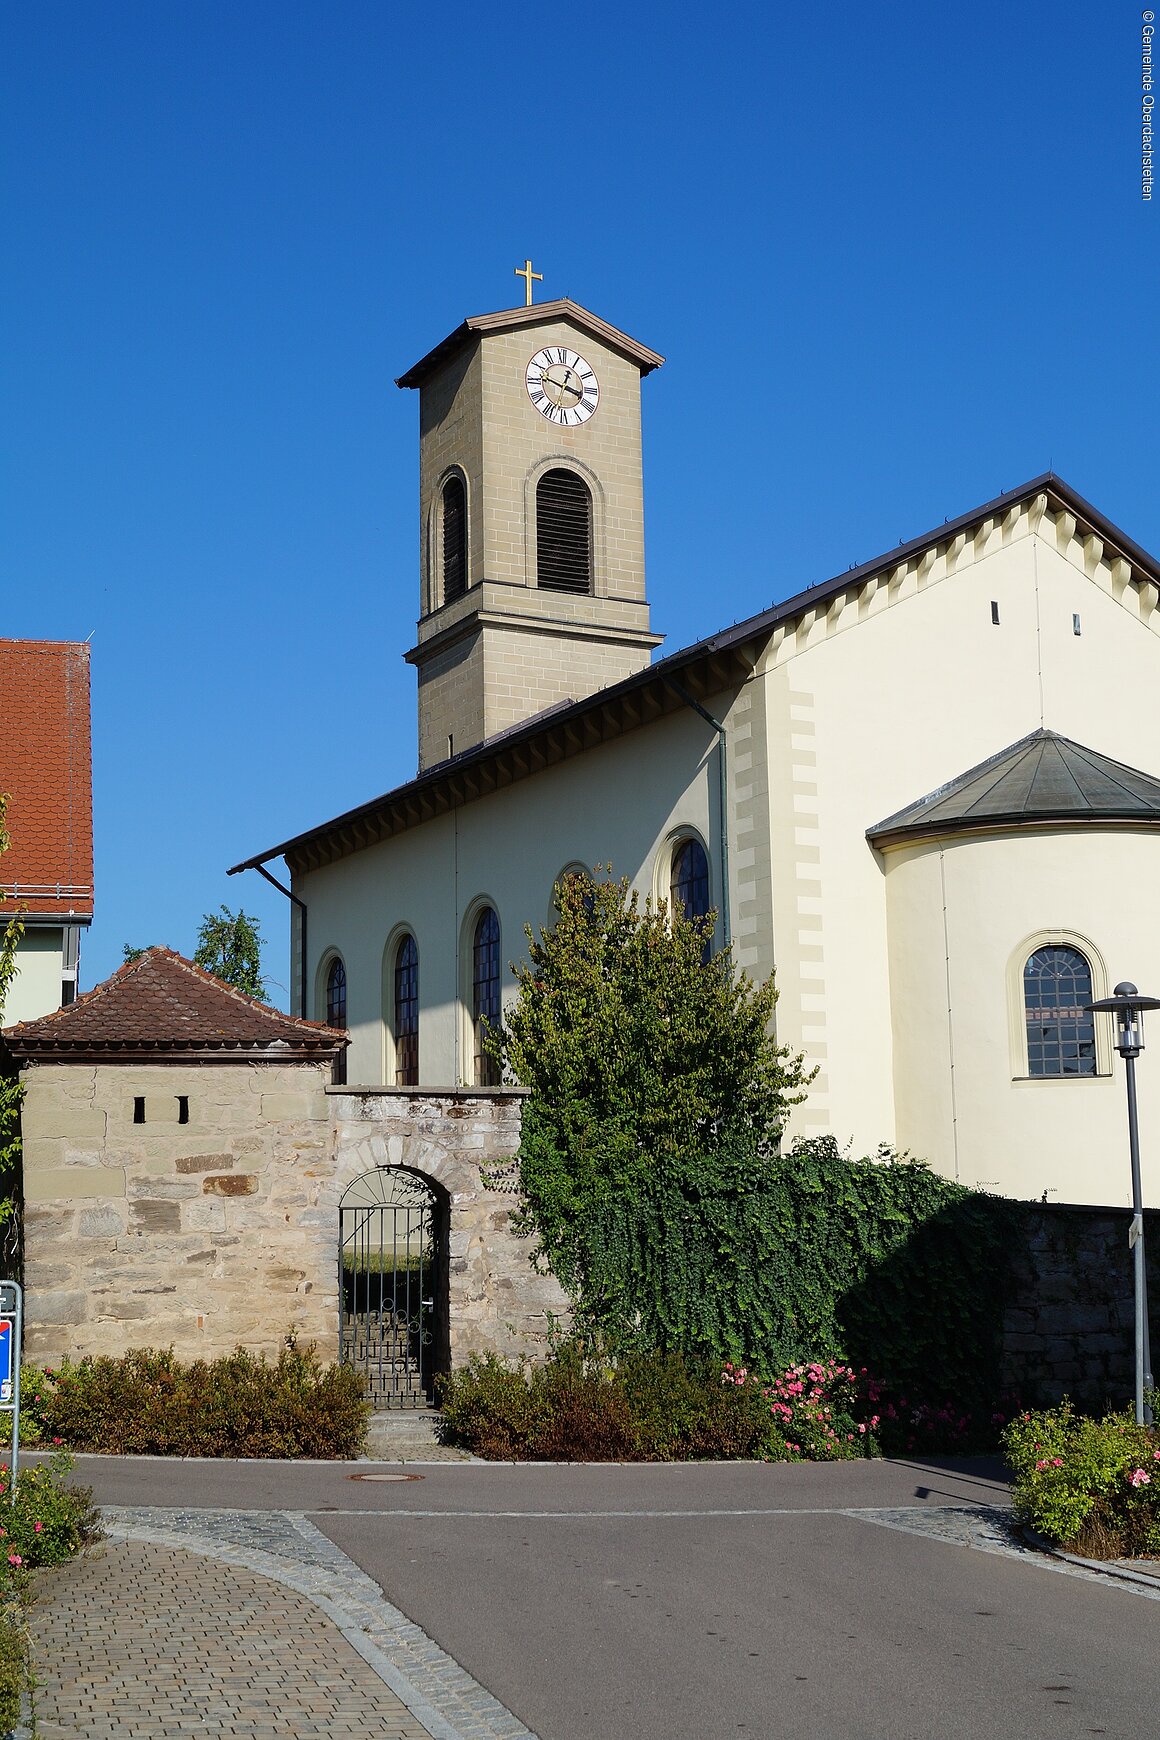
point(203, 1233)
point(224, 1228)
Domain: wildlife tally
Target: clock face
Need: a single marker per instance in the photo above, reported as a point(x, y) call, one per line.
point(562, 386)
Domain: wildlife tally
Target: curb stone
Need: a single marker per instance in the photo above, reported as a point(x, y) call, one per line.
point(1114, 1568)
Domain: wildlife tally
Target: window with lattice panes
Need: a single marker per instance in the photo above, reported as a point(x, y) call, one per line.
point(485, 994)
point(1061, 1035)
point(406, 1014)
point(336, 1010)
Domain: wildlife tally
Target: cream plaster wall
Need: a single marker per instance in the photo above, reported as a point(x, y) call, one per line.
point(35, 988)
point(963, 915)
point(621, 802)
point(899, 687)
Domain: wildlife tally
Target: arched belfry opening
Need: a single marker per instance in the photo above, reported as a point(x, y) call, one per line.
point(393, 1285)
point(531, 504)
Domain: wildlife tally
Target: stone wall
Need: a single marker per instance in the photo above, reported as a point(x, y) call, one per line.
point(1069, 1322)
point(464, 1141)
point(144, 1230)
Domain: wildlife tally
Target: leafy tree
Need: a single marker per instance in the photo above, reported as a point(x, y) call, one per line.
point(652, 1069)
point(11, 1094)
point(129, 954)
point(229, 947)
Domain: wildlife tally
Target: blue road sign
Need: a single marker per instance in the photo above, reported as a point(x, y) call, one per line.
point(6, 1340)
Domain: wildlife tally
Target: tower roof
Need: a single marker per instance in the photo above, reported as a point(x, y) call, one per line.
point(1043, 780)
point(162, 1008)
point(539, 313)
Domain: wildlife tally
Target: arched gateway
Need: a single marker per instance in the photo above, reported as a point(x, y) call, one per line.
point(393, 1285)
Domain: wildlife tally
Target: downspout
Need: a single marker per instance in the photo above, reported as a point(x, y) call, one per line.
point(301, 905)
point(723, 797)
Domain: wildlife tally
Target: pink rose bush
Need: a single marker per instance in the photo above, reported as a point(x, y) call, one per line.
point(1089, 1485)
point(826, 1411)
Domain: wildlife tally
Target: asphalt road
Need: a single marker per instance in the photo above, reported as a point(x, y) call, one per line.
point(711, 1600)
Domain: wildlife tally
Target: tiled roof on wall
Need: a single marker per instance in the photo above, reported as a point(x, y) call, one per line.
point(46, 769)
point(161, 1006)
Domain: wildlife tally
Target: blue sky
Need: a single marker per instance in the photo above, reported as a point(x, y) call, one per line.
point(896, 258)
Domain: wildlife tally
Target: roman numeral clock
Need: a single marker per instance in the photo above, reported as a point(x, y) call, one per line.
point(562, 386)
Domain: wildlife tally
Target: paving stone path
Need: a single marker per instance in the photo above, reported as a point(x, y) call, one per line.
point(239, 1623)
point(146, 1641)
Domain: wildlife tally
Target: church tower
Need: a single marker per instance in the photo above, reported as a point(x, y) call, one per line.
point(532, 508)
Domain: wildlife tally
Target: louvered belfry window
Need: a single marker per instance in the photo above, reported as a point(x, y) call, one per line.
point(454, 538)
point(563, 532)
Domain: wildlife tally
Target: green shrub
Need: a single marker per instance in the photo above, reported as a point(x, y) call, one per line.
point(648, 1407)
point(14, 1666)
point(148, 1403)
point(44, 1521)
point(1092, 1486)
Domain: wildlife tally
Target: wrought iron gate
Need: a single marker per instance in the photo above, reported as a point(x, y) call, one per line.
point(393, 1285)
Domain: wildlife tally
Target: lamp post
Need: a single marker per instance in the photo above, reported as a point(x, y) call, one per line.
point(1128, 1006)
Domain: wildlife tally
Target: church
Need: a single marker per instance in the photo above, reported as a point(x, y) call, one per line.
point(925, 793)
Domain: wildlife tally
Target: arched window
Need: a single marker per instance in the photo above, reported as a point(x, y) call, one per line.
point(454, 538)
point(1061, 1037)
point(689, 883)
point(407, 1014)
point(336, 1009)
point(485, 994)
point(563, 532)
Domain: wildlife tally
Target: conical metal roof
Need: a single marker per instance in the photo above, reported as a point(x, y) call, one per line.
point(1044, 779)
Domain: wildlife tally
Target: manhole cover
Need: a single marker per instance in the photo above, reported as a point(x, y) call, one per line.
point(384, 1477)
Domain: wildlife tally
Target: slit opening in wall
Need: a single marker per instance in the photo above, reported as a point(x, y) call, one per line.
point(995, 611)
point(139, 1109)
point(183, 1108)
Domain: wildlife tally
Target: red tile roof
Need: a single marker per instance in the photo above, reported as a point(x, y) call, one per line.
point(46, 769)
point(160, 1008)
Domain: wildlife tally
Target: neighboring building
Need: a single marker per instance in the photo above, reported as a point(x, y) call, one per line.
point(904, 789)
point(46, 876)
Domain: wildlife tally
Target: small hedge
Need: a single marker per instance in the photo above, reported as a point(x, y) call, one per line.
point(664, 1407)
point(43, 1522)
point(1092, 1486)
point(148, 1403)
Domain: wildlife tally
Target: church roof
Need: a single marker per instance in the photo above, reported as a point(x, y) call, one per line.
point(1043, 780)
point(707, 668)
point(162, 1008)
point(46, 769)
point(562, 309)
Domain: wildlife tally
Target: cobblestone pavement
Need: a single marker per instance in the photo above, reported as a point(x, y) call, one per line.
point(151, 1641)
point(239, 1623)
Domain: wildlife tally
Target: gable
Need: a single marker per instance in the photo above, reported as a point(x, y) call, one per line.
point(1045, 508)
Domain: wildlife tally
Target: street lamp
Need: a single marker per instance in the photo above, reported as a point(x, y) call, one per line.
point(1128, 1006)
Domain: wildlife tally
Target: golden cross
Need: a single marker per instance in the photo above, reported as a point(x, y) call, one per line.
point(525, 272)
